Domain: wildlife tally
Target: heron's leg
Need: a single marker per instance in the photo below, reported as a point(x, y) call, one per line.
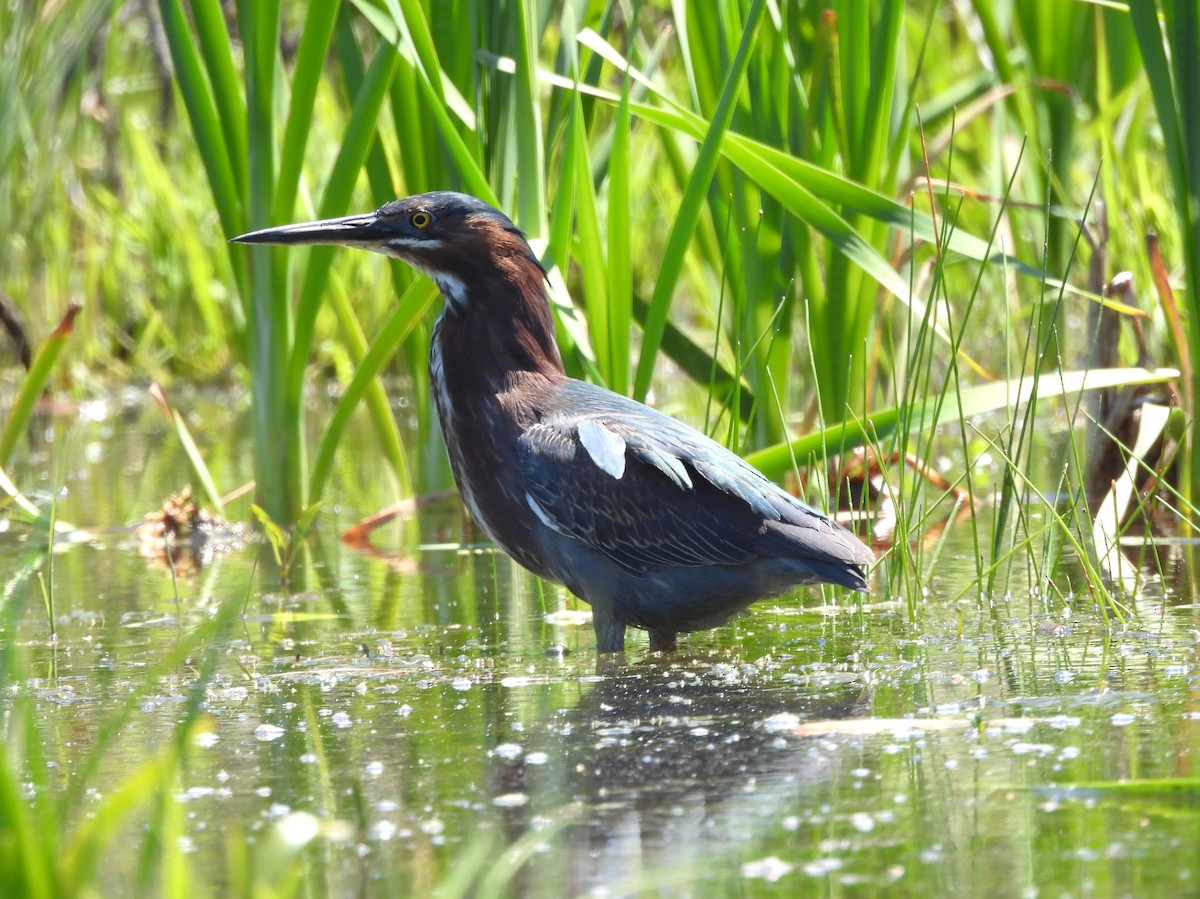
point(662, 641)
point(610, 633)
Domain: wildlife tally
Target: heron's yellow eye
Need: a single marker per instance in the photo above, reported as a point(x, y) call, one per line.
point(421, 220)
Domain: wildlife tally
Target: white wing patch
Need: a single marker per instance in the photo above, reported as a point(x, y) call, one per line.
point(537, 509)
point(606, 447)
point(668, 464)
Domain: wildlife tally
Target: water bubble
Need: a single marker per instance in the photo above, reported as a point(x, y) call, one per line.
point(511, 800)
point(862, 822)
point(769, 869)
point(265, 733)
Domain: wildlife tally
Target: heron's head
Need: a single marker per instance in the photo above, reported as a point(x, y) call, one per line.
point(455, 239)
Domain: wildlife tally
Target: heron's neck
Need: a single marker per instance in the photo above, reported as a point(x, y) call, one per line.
point(495, 330)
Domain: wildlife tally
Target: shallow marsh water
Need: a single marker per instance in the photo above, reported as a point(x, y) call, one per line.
point(439, 713)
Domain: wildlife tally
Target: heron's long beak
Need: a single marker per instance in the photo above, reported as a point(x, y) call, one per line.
point(351, 230)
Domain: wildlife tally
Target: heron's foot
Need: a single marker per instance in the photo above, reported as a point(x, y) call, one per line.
point(611, 663)
point(662, 641)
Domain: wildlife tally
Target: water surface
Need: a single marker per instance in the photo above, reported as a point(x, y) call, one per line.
point(437, 711)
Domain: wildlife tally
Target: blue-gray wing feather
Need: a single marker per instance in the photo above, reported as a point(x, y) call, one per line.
point(648, 491)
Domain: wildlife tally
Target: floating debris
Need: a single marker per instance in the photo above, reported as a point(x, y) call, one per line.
point(184, 536)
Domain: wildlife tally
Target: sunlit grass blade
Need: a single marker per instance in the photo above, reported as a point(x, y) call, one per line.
point(777, 167)
point(410, 18)
point(311, 53)
point(34, 384)
point(796, 198)
point(692, 206)
point(531, 166)
point(184, 435)
point(27, 863)
point(619, 267)
point(1171, 54)
point(776, 461)
point(215, 43)
point(356, 141)
point(409, 310)
point(589, 248)
point(379, 407)
point(557, 255)
point(431, 86)
point(35, 515)
point(829, 186)
point(92, 840)
point(278, 440)
point(1153, 421)
point(201, 104)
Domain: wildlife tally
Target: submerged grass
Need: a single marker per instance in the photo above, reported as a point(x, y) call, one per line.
point(49, 846)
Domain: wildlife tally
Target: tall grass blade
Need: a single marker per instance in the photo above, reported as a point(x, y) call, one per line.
point(411, 308)
point(356, 143)
point(1170, 46)
point(620, 251)
point(692, 205)
point(315, 40)
point(34, 384)
point(201, 105)
point(776, 461)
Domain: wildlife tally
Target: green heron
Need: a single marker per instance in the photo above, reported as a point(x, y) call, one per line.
point(651, 522)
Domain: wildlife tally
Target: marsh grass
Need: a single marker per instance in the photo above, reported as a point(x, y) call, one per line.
point(51, 847)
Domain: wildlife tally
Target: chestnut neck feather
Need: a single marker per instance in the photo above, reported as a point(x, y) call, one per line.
point(503, 326)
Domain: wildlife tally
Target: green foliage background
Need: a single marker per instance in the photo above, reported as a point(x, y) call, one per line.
point(750, 170)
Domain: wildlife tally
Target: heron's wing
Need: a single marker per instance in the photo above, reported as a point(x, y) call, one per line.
point(648, 491)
